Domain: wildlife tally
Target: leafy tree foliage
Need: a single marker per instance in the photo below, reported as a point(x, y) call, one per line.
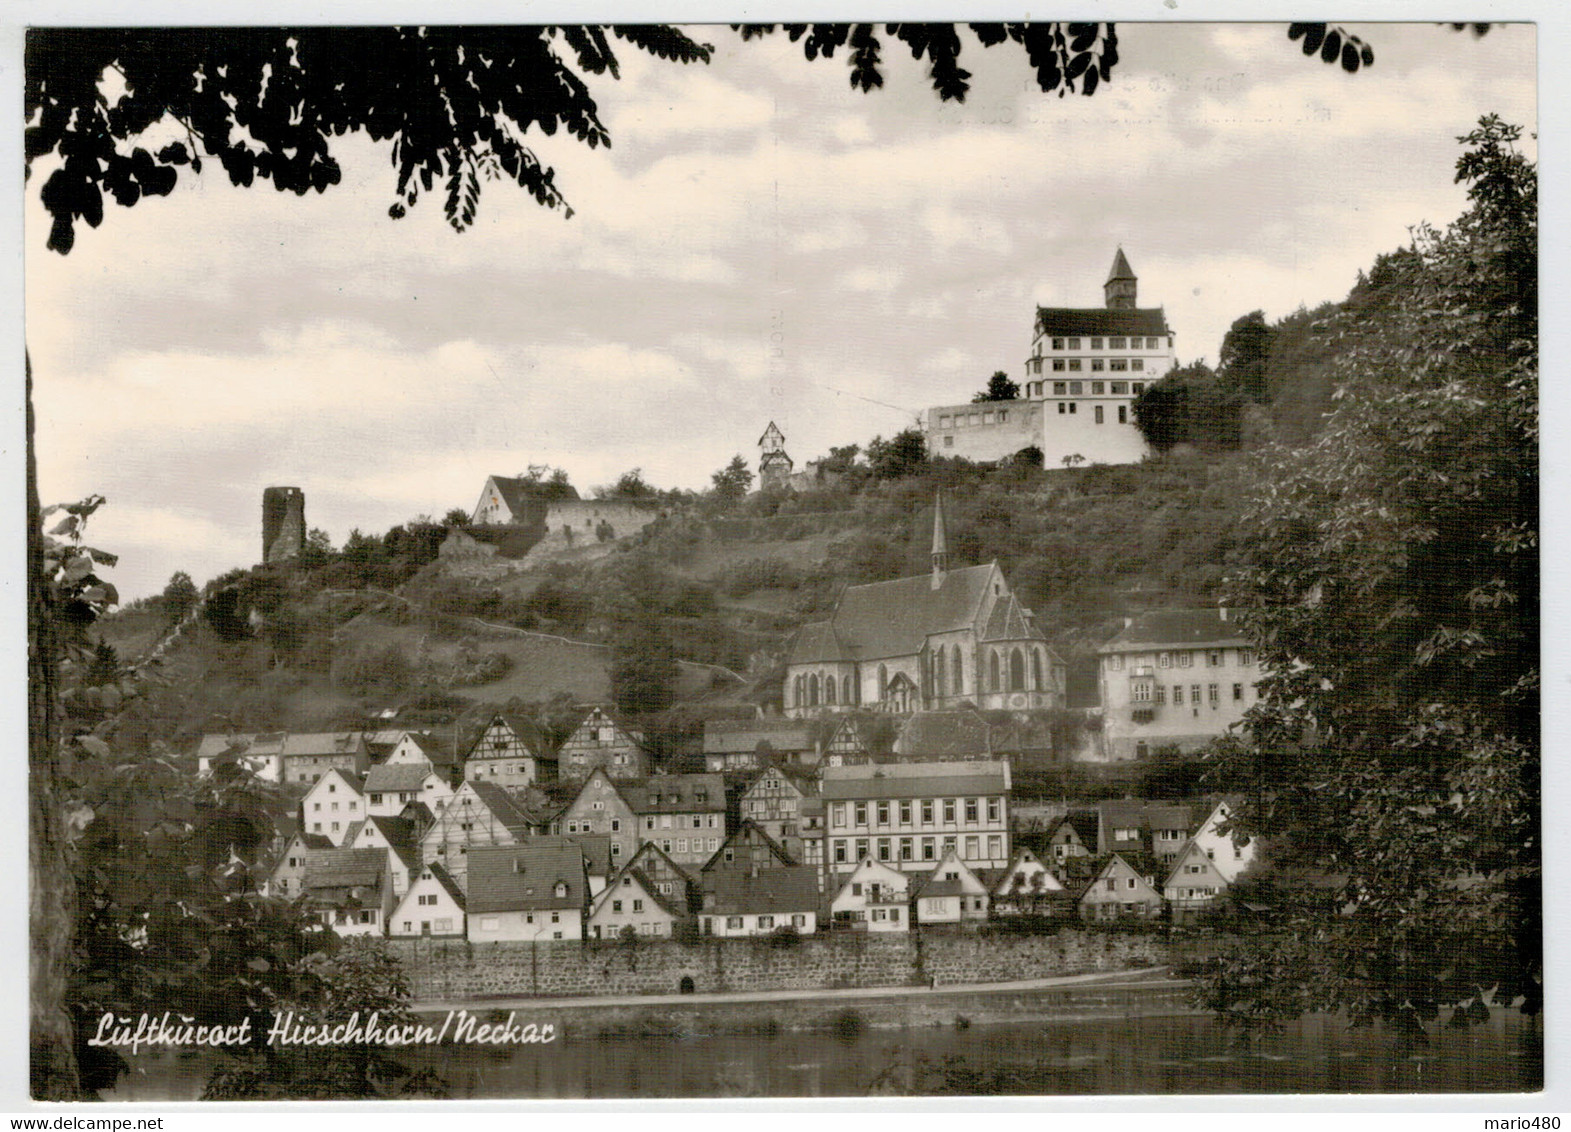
point(179, 597)
point(457, 103)
point(1391, 578)
point(902, 455)
point(1246, 348)
point(1191, 405)
point(643, 666)
point(732, 481)
point(999, 388)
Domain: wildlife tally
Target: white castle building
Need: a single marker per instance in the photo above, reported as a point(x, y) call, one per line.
point(1086, 368)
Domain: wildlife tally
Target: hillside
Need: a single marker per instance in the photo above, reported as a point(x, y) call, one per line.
point(714, 591)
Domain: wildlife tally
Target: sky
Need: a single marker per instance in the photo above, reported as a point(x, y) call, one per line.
point(761, 242)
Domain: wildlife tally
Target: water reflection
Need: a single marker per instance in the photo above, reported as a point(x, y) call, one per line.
point(1185, 1054)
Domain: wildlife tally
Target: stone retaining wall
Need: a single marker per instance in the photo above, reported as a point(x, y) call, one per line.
point(441, 970)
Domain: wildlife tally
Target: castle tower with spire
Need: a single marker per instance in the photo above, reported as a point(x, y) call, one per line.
point(1119, 290)
point(774, 463)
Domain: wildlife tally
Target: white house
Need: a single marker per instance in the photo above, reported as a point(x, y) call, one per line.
point(1122, 888)
point(433, 906)
point(952, 893)
point(392, 786)
point(525, 892)
point(634, 900)
point(334, 802)
point(746, 901)
point(510, 752)
point(1231, 857)
point(874, 898)
point(1027, 885)
point(1194, 883)
point(910, 815)
point(349, 890)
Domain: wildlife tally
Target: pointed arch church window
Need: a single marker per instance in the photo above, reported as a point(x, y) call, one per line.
point(938, 672)
point(849, 691)
point(1017, 671)
point(958, 670)
point(1036, 670)
point(829, 690)
point(992, 671)
point(883, 682)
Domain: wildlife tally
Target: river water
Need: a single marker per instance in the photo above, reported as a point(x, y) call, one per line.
point(1137, 1055)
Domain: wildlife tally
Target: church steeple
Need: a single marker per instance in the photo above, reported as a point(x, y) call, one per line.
point(940, 543)
point(1119, 290)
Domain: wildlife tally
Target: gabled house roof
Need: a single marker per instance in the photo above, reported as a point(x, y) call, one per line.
point(746, 892)
point(321, 743)
point(729, 736)
point(503, 806)
point(524, 877)
point(676, 793)
point(345, 877)
point(449, 885)
point(397, 778)
point(522, 727)
point(747, 831)
point(650, 849)
point(1086, 824)
point(518, 492)
point(1176, 628)
point(650, 889)
point(961, 733)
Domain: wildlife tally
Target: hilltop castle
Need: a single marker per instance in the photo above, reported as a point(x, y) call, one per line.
point(1087, 366)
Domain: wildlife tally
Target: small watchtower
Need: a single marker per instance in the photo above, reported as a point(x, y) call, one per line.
point(283, 524)
point(774, 465)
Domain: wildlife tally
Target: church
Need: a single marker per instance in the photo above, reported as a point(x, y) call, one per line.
point(935, 640)
point(1076, 402)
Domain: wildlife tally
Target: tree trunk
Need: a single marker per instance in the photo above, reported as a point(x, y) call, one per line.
point(52, 888)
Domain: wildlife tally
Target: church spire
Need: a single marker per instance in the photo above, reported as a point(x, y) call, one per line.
point(1119, 290)
point(940, 543)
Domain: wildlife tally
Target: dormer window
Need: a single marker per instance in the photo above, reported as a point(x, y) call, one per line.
point(561, 889)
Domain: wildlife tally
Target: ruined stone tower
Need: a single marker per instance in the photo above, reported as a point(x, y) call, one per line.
point(283, 523)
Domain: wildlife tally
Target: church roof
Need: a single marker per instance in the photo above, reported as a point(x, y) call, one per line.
point(816, 641)
point(1121, 268)
point(1059, 321)
point(894, 618)
point(1008, 622)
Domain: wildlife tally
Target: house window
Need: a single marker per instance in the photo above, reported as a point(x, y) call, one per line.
point(638, 905)
point(905, 813)
point(1213, 658)
point(1123, 414)
point(994, 808)
point(1058, 343)
point(971, 848)
point(1185, 659)
point(883, 848)
point(1096, 343)
point(1058, 367)
point(1074, 365)
point(927, 812)
point(840, 852)
point(1137, 387)
point(949, 811)
point(1137, 364)
point(1097, 365)
point(733, 923)
point(1131, 882)
point(1194, 693)
point(883, 813)
point(971, 811)
point(1062, 409)
point(1118, 365)
point(1098, 414)
point(905, 848)
point(861, 813)
point(1115, 663)
point(1178, 695)
point(766, 922)
point(1211, 694)
point(1159, 694)
point(1076, 388)
point(799, 920)
point(1246, 657)
point(1112, 884)
point(1238, 692)
point(616, 905)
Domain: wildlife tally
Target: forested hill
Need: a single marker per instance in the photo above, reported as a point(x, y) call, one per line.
point(722, 583)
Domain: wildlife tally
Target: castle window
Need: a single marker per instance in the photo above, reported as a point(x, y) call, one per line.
point(1058, 365)
point(1096, 343)
point(1097, 365)
point(1060, 388)
point(1074, 343)
point(1118, 365)
point(1137, 363)
point(1115, 344)
point(1074, 365)
point(1058, 343)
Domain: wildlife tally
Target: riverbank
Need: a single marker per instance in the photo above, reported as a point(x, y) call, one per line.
point(1133, 993)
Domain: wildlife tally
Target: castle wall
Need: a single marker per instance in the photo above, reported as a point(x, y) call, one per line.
point(577, 522)
point(989, 431)
point(283, 523)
